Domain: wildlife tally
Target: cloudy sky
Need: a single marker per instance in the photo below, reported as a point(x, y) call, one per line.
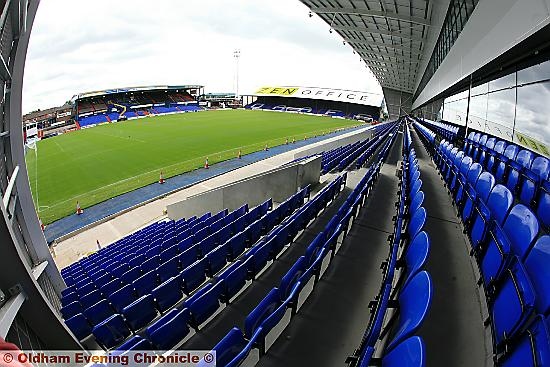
point(80, 46)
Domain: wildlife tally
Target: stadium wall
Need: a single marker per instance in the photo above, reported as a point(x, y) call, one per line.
point(277, 184)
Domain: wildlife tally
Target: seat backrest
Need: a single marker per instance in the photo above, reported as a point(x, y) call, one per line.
point(533, 349)
point(543, 205)
point(541, 166)
point(500, 146)
point(414, 302)
point(499, 202)
point(537, 264)
point(525, 158)
point(229, 347)
point(511, 151)
point(491, 143)
point(123, 297)
point(476, 138)
point(473, 173)
point(521, 228)
point(409, 353)
point(416, 255)
point(465, 165)
point(483, 140)
point(484, 185)
point(262, 311)
point(417, 202)
point(514, 303)
point(292, 276)
point(418, 220)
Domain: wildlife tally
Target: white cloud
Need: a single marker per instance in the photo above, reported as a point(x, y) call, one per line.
point(80, 46)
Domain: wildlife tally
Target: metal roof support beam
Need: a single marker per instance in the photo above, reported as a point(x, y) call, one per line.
point(393, 56)
point(372, 13)
point(379, 31)
point(381, 44)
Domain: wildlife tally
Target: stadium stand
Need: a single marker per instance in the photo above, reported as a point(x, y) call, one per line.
point(502, 198)
point(195, 267)
point(100, 109)
point(406, 290)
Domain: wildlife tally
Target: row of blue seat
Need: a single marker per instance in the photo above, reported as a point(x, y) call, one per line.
point(172, 328)
point(155, 266)
point(406, 291)
point(447, 131)
point(525, 173)
point(286, 299)
point(341, 157)
point(512, 259)
point(181, 274)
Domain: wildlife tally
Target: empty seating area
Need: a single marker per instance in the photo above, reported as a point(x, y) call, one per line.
point(405, 294)
point(341, 157)
point(262, 326)
point(172, 276)
point(501, 196)
point(447, 131)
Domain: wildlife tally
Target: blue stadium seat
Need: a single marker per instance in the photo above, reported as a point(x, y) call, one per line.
point(168, 269)
point(169, 253)
point(414, 302)
point(522, 162)
point(260, 258)
point(188, 257)
point(193, 276)
point(186, 243)
point(499, 148)
point(513, 305)
point(131, 275)
point(122, 298)
point(415, 257)
point(497, 207)
point(111, 331)
point(71, 309)
point(482, 189)
point(471, 180)
point(543, 205)
point(217, 259)
point(417, 222)
point(510, 154)
point(204, 306)
point(262, 311)
point(206, 245)
point(169, 330)
point(140, 312)
point(537, 266)
point(98, 312)
point(79, 325)
point(136, 343)
point(232, 349)
point(145, 284)
point(254, 232)
point(531, 179)
point(237, 245)
point(291, 277)
point(168, 293)
point(521, 227)
point(409, 353)
point(68, 298)
point(533, 349)
point(234, 278)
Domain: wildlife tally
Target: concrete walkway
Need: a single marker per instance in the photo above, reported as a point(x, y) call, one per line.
point(69, 250)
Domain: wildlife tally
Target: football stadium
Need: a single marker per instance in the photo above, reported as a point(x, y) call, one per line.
point(401, 224)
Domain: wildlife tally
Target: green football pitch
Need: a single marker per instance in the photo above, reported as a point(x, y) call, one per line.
point(96, 164)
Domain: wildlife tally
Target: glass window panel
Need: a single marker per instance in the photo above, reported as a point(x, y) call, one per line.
point(504, 82)
point(501, 107)
point(480, 89)
point(532, 115)
point(477, 116)
point(534, 73)
point(455, 112)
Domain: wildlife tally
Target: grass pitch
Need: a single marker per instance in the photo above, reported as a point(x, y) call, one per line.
point(96, 164)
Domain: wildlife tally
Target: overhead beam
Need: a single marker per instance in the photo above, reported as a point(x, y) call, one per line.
point(379, 31)
point(382, 44)
point(390, 62)
point(371, 53)
point(371, 13)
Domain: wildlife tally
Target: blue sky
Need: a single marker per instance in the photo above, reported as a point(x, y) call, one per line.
point(80, 46)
